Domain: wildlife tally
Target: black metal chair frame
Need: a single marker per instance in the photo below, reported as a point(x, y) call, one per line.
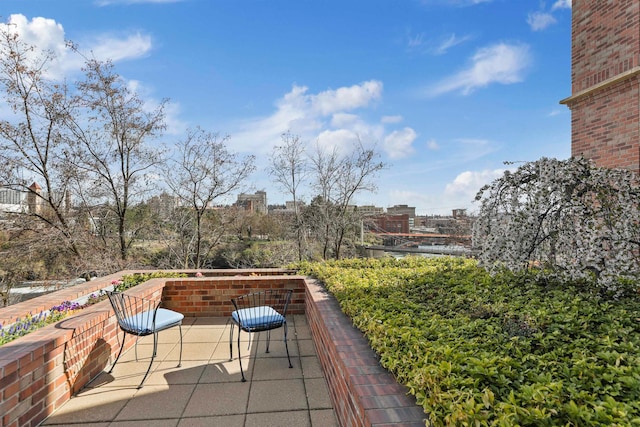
point(259, 312)
point(141, 317)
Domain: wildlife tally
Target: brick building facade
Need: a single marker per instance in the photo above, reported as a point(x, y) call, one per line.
point(605, 82)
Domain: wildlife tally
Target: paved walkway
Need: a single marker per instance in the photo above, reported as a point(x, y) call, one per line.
point(206, 390)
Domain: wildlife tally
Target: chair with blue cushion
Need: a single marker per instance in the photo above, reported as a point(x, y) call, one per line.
point(141, 317)
point(258, 312)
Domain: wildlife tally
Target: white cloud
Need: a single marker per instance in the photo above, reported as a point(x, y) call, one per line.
point(502, 63)
point(327, 115)
point(343, 119)
point(338, 139)
point(117, 49)
point(415, 41)
point(466, 185)
point(539, 21)
point(346, 98)
point(561, 4)
point(432, 145)
point(448, 43)
point(418, 43)
point(391, 119)
point(175, 125)
point(399, 143)
point(429, 202)
point(48, 35)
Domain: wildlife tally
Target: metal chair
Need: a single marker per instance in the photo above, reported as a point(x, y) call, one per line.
point(258, 312)
point(141, 317)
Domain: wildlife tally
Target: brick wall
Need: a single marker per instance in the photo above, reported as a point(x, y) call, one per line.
point(362, 392)
point(211, 297)
point(605, 40)
point(40, 371)
point(605, 74)
point(605, 126)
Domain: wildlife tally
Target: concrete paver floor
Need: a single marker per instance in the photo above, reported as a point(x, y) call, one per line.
point(206, 390)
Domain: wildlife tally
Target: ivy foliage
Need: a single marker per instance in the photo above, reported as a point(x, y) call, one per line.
point(566, 219)
point(504, 349)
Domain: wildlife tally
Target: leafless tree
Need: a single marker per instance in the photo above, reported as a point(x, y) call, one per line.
point(32, 137)
point(337, 179)
point(289, 169)
point(111, 128)
point(204, 171)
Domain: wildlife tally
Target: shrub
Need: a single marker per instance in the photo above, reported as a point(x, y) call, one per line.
point(507, 349)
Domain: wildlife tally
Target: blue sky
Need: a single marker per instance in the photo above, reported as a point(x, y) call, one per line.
point(446, 90)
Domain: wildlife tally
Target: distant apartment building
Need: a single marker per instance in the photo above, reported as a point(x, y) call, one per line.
point(389, 223)
point(403, 210)
point(164, 204)
point(458, 223)
point(291, 205)
point(13, 201)
point(370, 210)
point(30, 200)
point(253, 202)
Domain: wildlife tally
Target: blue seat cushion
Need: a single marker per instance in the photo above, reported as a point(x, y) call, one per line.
point(142, 323)
point(258, 318)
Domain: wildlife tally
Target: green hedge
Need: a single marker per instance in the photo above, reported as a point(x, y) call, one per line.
point(503, 350)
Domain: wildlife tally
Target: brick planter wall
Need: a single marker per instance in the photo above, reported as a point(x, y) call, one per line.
point(41, 371)
point(211, 297)
point(362, 392)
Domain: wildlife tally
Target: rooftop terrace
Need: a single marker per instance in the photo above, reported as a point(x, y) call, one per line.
point(57, 375)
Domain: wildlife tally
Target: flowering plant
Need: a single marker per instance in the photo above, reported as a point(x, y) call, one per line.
point(563, 218)
point(30, 323)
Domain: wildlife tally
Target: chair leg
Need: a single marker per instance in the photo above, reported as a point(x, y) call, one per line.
point(124, 335)
point(231, 342)
point(286, 346)
point(180, 360)
point(153, 356)
point(240, 356)
point(268, 339)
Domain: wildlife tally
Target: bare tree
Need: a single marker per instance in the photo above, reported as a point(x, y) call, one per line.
point(32, 136)
point(110, 131)
point(203, 172)
point(325, 166)
point(289, 169)
point(338, 179)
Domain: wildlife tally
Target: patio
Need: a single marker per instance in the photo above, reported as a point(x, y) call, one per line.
point(206, 390)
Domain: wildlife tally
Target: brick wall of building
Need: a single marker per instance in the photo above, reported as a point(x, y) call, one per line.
point(605, 102)
point(605, 40)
